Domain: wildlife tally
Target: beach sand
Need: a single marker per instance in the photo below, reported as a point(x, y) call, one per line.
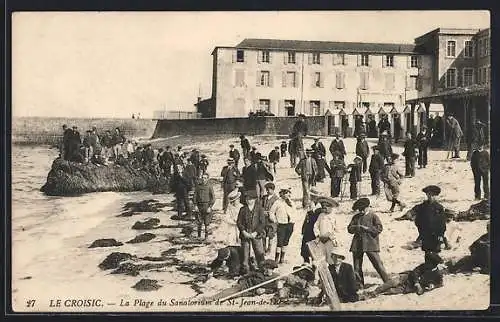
point(52, 261)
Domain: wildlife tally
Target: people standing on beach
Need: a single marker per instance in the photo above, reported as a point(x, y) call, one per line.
point(366, 227)
point(355, 177)
point(204, 200)
point(65, 146)
point(251, 224)
point(325, 227)
point(195, 160)
point(274, 157)
point(430, 220)
point(307, 170)
point(235, 155)
point(480, 165)
point(384, 146)
point(337, 171)
point(245, 146)
point(181, 187)
point(308, 225)
point(269, 202)
point(117, 141)
point(410, 153)
point(252, 155)
point(285, 211)
point(230, 174)
point(391, 177)
point(204, 164)
point(319, 153)
point(264, 175)
point(337, 146)
point(455, 136)
point(384, 125)
point(87, 146)
point(363, 151)
point(375, 169)
point(423, 140)
point(107, 144)
point(249, 176)
point(283, 149)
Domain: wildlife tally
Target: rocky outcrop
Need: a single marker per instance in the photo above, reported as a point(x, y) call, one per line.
point(70, 178)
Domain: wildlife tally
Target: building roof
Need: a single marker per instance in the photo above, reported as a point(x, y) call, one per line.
point(325, 46)
point(447, 31)
point(459, 92)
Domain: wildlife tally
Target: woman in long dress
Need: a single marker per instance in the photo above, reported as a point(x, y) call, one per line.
point(233, 208)
point(392, 180)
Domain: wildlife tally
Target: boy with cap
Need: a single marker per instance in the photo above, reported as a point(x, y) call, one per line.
point(270, 205)
point(263, 175)
point(337, 169)
point(365, 226)
point(284, 214)
point(430, 220)
point(230, 174)
point(203, 164)
point(391, 177)
point(421, 279)
point(423, 138)
point(307, 170)
point(251, 224)
point(375, 169)
point(283, 148)
point(274, 157)
point(204, 200)
point(234, 154)
point(354, 176)
point(343, 276)
point(362, 150)
point(337, 146)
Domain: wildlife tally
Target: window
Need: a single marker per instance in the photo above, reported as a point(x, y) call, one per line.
point(315, 108)
point(340, 80)
point(412, 83)
point(265, 105)
point(479, 75)
point(290, 107)
point(290, 79)
point(336, 105)
point(291, 57)
point(451, 77)
point(363, 80)
point(486, 47)
point(481, 48)
point(389, 81)
point(316, 58)
point(239, 78)
point(414, 61)
point(338, 59)
point(365, 104)
point(265, 56)
point(468, 75)
point(240, 56)
point(317, 79)
point(451, 48)
point(365, 60)
point(469, 49)
point(389, 61)
point(487, 70)
point(264, 78)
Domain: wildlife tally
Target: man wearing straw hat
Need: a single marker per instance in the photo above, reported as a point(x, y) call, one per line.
point(307, 170)
point(343, 276)
point(365, 226)
point(325, 228)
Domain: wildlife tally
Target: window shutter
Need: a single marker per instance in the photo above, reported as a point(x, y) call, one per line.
point(408, 62)
point(258, 76)
point(270, 57)
point(313, 79)
point(245, 56)
point(342, 77)
point(458, 79)
point(322, 77)
point(259, 56)
point(322, 58)
point(322, 107)
point(310, 58)
point(419, 84)
point(311, 110)
point(281, 108)
point(297, 79)
point(285, 58)
point(408, 82)
point(359, 60)
point(334, 59)
point(369, 60)
point(384, 60)
point(271, 79)
point(234, 56)
point(419, 61)
point(344, 59)
point(283, 80)
point(337, 80)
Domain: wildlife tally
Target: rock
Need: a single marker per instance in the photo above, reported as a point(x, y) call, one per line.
point(127, 269)
point(170, 251)
point(150, 223)
point(142, 238)
point(150, 205)
point(194, 268)
point(68, 178)
point(113, 260)
point(147, 285)
point(107, 242)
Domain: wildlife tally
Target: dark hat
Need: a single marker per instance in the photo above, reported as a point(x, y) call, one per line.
point(285, 190)
point(327, 202)
point(230, 160)
point(269, 263)
point(254, 148)
point(394, 156)
point(357, 158)
point(283, 141)
point(179, 147)
point(168, 147)
point(276, 147)
point(361, 204)
point(433, 258)
point(308, 151)
point(270, 185)
point(258, 155)
point(75, 127)
point(203, 156)
point(242, 136)
point(223, 253)
point(231, 145)
point(432, 190)
point(251, 194)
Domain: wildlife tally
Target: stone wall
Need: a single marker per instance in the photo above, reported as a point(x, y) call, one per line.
point(252, 126)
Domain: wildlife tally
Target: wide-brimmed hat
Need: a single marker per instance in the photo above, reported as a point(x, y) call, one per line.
point(270, 185)
point(432, 190)
point(361, 204)
point(357, 158)
point(337, 252)
point(234, 195)
point(327, 202)
point(384, 133)
point(269, 263)
point(315, 193)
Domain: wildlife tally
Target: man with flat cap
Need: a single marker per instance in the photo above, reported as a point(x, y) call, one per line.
point(366, 226)
point(230, 174)
point(430, 220)
point(231, 256)
point(375, 170)
point(384, 146)
point(234, 154)
point(269, 202)
point(337, 146)
point(307, 170)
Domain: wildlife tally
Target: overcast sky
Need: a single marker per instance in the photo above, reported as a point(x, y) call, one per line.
point(115, 64)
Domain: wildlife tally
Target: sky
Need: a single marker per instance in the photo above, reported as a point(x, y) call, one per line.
point(114, 64)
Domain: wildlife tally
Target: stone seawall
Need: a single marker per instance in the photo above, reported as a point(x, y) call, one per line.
point(41, 130)
point(252, 126)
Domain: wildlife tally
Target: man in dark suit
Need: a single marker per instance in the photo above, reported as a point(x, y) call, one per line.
point(480, 164)
point(307, 170)
point(234, 154)
point(337, 146)
point(231, 256)
point(319, 153)
point(363, 151)
point(365, 226)
point(249, 176)
point(343, 277)
point(245, 146)
point(423, 140)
